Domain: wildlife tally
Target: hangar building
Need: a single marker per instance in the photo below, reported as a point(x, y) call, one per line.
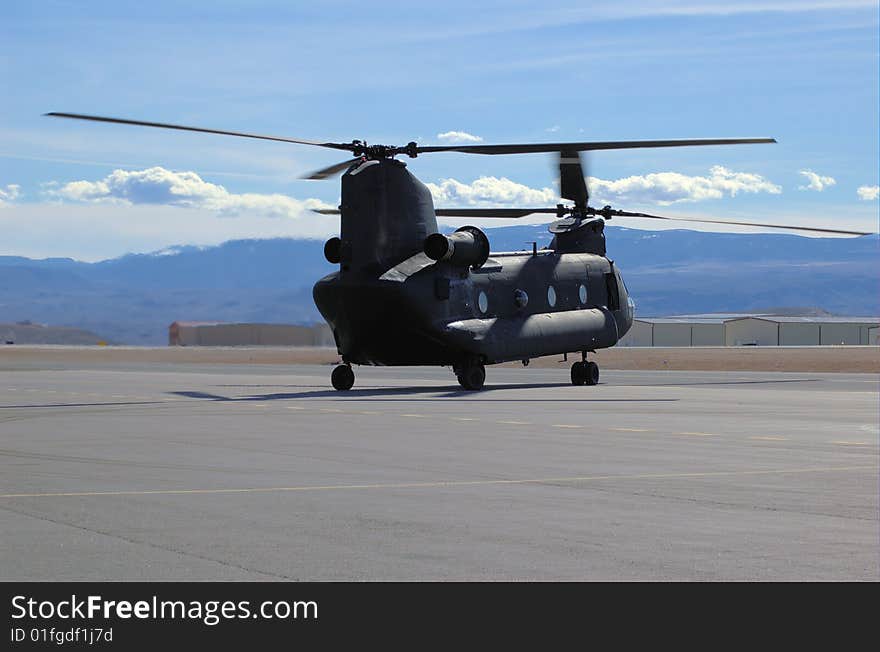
point(738, 329)
point(200, 333)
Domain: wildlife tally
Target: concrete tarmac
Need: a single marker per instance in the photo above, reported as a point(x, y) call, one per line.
point(262, 472)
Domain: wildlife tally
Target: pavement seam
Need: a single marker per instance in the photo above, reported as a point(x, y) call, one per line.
point(443, 483)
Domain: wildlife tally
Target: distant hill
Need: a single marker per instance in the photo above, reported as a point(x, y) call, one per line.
point(132, 299)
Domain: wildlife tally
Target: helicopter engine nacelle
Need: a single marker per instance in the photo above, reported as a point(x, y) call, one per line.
point(467, 247)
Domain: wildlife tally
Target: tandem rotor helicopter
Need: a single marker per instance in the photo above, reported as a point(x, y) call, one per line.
point(406, 294)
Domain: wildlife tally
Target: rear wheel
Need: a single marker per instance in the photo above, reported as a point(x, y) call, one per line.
point(342, 378)
point(472, 376)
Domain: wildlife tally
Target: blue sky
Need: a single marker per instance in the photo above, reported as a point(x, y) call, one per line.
point(804, 72)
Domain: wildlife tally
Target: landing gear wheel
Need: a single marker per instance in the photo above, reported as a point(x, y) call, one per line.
point(579, 373)
point(472, 376)
point(342, 378)
point(592, 373)
point(585, 373)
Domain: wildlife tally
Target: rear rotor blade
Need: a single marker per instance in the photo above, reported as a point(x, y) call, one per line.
point(525, 148)
point(161, 125)
point(615, 213)
point(491, 212)
point(509, 213)
point(572, 181)
point(331, 170)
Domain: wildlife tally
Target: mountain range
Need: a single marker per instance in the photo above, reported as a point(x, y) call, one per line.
point(133, 299)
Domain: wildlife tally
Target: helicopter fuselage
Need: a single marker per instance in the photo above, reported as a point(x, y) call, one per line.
point(389, 304)
point(515, 307)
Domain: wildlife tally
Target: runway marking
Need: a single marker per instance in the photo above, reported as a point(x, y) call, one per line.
point(463, 419)
point(446, 483)
point(631, 429)
point(516, 423)
point(329, 410)
point(697, 434)
point(760, 438)
point(414, 416)
point(371, 412)
point(294, 407)
point(565, 425)
point(851, 443)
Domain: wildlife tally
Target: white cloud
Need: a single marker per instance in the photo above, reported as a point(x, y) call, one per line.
point(661, 188)
point(10, 193)
point(490, 191)
point(868, 193)
point(458, 137)
point(816, 181)
point(666, 188)
point(158, 186)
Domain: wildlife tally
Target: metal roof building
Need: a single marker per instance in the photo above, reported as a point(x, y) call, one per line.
point(742, 329)
point(199, 333)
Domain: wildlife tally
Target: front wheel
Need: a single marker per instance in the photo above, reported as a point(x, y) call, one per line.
point(592, 373)
point(584, 373)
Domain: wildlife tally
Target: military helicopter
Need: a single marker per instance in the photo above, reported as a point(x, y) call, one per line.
point(406, 294)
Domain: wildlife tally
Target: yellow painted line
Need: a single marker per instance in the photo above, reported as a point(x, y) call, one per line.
point(565, 425)
point(771, 438)
point(851, 443)
point(516, 423)
point(697, 434)
point(631, 429)
point(451, 483)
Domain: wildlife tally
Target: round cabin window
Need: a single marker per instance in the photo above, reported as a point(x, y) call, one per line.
point(483, 302)
point(551, 296)
point(582, 293)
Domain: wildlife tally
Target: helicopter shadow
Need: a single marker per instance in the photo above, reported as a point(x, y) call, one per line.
point(410, 394)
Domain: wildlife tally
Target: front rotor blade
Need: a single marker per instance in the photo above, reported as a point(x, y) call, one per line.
point(161, 125)
point(526, 148)
point(616, 213)
point(331, 170)
point(572, 182)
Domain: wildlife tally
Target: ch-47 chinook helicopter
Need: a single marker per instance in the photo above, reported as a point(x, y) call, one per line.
point(406, 294)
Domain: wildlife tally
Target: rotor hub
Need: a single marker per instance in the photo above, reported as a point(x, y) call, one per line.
point(377, 152)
